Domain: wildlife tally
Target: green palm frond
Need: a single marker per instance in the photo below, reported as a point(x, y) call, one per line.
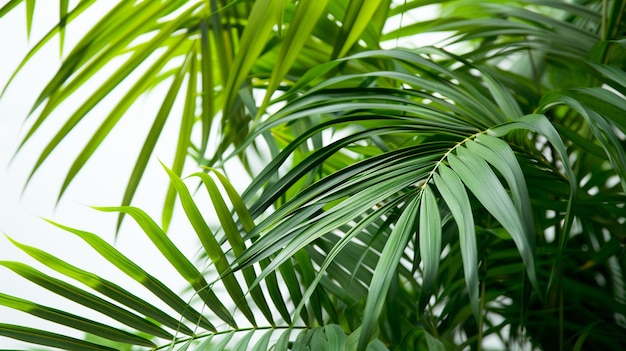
point(423, 198)
point(186, 326)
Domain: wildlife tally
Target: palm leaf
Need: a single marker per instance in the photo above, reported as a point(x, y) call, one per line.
point(80, 323)
point(127, 266)
point(48, 339)
point(105, 287)
point(176, 258)
point(86, 299)
point(398, 185)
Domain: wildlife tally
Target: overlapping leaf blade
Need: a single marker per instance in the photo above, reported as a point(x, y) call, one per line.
point(234, 237)
point(211, 246)
point(41, 337)
point(124, 264)
point(388, 262)
point(261, 20)
point(245, 219)
point(86, 299)
point(540, 124)
point(153, 136)
point(429, 237)
point(453, 193)
point(184, 136)
point(304, 19)
point(364, 131)
point(357, 17)
point(73, 321)
point(105, 287)
point(178, 260)
point(484, 184)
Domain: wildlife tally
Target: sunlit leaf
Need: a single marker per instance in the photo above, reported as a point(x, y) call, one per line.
point(46, 338)
point(177, 259)
point(124, 264)
point(73, 321)
point(86, 299)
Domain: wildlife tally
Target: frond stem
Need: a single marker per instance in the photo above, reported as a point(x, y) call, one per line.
point(206, 335)
point(423, 184)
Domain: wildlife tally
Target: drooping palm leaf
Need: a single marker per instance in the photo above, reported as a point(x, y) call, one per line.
point(412, 198)
point(177, 328)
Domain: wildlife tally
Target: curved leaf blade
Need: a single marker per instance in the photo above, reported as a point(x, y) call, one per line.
point(45, 338)
point(104, 287)
point(153, 136)
point(254, 38)
point(178, 260)
point(210, 245)
point(484, 184)
point(235, 239)
point(385, 268)
point(304, 19)
point(86, 299)
point(453, 192)
point(73, 321)
point(184, 140)
point(357, 17)
point(429, 237)
point(124, 264)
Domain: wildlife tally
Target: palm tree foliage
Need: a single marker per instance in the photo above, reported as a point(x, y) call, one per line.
point(419, 197)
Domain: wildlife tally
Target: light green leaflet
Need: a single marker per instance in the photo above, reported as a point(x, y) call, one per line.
point(248, 225)
point(184, 135)
point(153, 135)
point(86, 299)
point(105, 287)
point(429, 237)
point(49, 339)
point(182, 264)
point(357, 18)
point(304, 19)
point(211, 246)
point(387, 264)
point(234, 236)
point(260, 22)
point(124, 264)
point(73, 321)
point(454, 195)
